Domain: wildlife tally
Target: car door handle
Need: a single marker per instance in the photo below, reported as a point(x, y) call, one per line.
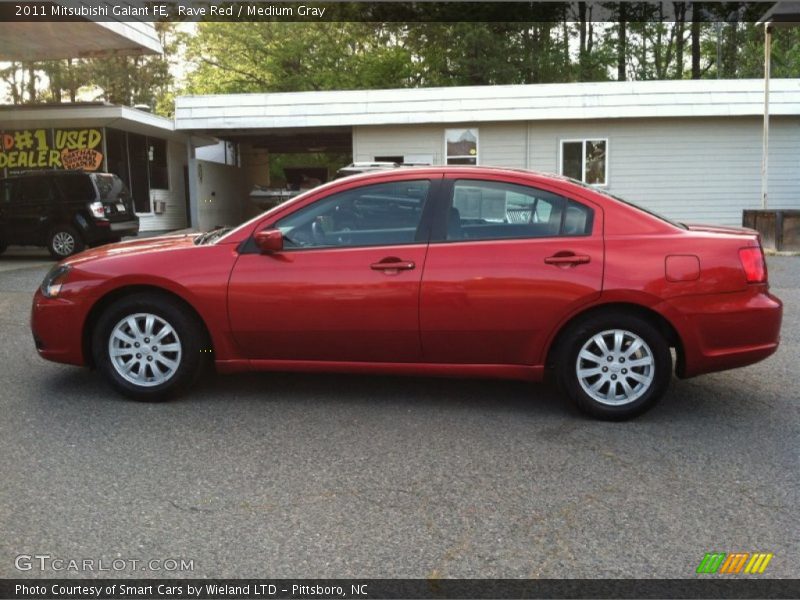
point(393, 264)
point(567, 258)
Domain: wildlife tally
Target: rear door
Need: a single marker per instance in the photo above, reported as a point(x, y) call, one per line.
point(507, 263)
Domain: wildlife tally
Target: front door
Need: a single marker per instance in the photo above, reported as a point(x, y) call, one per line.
point(345, 287)
point(510, 263)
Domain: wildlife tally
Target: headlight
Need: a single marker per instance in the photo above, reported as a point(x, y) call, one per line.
point(51, 286)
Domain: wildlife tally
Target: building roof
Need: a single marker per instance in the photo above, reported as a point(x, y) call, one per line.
point(93, 114)
point(603, 100)
point(35, 40)
point(782, 14)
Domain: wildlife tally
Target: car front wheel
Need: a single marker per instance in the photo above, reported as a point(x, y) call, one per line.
point(614, 366)
point(148, 347)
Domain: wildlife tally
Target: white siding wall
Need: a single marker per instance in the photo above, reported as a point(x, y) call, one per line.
point(174, 217)
point(221, 195)
point(688, 169)
point(369, 142)
point(692, 169)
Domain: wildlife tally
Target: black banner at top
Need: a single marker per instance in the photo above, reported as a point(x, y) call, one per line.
point(375, 589)
point(375, 11)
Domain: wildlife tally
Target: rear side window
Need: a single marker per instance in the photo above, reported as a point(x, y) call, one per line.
point(490, 210)
point(34, 189)
point(75, 188)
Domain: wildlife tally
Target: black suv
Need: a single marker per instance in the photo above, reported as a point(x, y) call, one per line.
point(65, 211)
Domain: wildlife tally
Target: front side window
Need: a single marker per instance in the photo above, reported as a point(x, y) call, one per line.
point(461, 146)
point(7, 190)
point(374, 215)
point(489, 210)
point(585, 160)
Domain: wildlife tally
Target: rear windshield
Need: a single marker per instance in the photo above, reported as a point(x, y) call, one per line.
point(628, 202)
point(110, 186)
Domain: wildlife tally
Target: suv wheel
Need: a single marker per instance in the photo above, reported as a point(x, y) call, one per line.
point(148, 347)
point(64, 241)
point(614, 366)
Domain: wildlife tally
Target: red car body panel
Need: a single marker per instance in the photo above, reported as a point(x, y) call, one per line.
point(467, 308)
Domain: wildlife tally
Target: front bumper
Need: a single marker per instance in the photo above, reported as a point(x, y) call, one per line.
point(725, 331)
point(56, 325)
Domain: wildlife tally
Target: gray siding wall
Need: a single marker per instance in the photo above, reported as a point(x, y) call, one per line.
point(174, 217)
point(701, 169)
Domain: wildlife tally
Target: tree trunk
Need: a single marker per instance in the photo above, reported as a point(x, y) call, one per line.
point(695, 43)
point(680, 40)
point(622, 43)
point(31, 84)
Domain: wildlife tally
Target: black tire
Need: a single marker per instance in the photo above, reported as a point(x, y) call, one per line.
point(3, 246)
point(615, 406)
point(189, 334)
point(64, 241)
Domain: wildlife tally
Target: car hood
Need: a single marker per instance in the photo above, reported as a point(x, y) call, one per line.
point(132, 247)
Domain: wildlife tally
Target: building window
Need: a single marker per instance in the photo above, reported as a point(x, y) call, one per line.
point(585, 160)
point(157, 157)
point(461, 146)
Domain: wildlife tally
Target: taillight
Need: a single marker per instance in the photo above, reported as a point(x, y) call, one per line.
point(755, 269)
point(98, 210)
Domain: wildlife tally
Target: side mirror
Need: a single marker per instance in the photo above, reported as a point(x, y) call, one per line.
point(269, 240)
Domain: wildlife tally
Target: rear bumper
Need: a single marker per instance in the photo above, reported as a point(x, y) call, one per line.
point(127, 227)
point(105, 231)
point(725, 331)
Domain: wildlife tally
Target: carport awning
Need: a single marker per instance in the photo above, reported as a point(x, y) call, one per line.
point(299, 140)
point(76, 39)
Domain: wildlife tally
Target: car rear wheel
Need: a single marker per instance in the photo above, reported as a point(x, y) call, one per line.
point(614, 366)
point(148, 347)
point(64, 241)
point(3, 246)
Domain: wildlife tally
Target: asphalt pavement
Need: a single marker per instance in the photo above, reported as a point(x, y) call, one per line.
point(278, 475)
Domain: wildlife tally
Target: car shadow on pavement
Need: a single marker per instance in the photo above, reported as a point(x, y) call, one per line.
point(243, 389)
point(714, 400)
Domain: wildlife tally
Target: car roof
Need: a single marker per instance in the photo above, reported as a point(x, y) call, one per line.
point(452, 170)
point(49, 173)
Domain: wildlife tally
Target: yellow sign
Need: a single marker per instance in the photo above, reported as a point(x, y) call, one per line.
point(51, 149)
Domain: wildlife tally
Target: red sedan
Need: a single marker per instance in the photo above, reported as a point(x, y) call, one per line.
point(466, 272)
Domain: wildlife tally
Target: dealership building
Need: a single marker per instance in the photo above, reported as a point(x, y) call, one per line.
point(689, 149)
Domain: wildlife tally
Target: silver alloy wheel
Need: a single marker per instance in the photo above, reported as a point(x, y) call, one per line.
point(144, 349)
point(615, 367)
point(63, 243)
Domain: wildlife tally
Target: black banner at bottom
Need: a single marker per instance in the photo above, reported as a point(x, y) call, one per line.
point(364, 589)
